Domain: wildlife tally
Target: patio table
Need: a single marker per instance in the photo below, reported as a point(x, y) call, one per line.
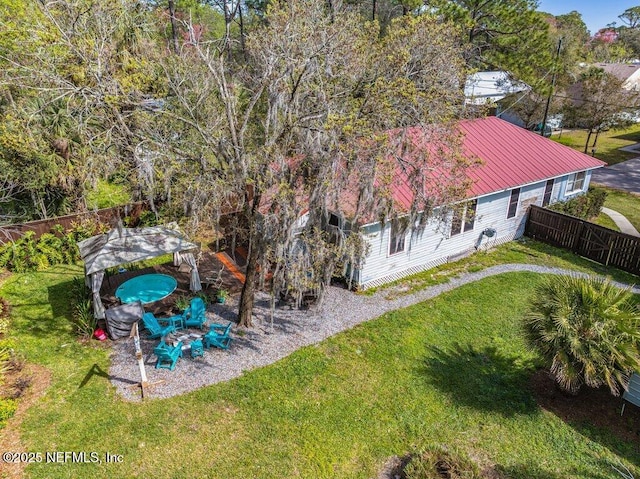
point(146, 288)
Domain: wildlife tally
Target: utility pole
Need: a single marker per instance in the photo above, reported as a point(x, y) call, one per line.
point(553, 84)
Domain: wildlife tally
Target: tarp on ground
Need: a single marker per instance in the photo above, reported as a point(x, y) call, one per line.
point(121, 318)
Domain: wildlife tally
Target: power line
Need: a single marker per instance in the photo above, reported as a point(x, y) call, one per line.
point(585, 100)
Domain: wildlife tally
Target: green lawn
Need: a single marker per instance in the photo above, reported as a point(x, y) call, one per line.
point(606, 221)
point(451, 371)
point(522, 251)
point(107, 194)
point(624, 203)
point(608, 143)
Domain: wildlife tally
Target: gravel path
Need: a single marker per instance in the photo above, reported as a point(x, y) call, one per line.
point(263, 345)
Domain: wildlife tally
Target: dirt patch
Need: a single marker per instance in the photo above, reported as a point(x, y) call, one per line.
point(590, 409)
point(39, 379)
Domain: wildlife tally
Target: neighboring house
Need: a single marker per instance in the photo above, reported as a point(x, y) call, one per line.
point(628, 73)
point(519, 168)
point(484, 88)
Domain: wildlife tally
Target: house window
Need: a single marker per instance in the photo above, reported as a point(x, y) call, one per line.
point(470, 215)
point(513, 203)
point(576, 182)
point(396, 243)
point(546, 199)
point(464, 219)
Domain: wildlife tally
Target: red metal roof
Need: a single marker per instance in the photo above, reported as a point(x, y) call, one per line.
point(513, 156)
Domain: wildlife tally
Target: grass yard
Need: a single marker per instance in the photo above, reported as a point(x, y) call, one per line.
point(624, 203)
point(107, 194)
point(522, 251)
point(609, 142)
point(606, 221)
point(451, 371)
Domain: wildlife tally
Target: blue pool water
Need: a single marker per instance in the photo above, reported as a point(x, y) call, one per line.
point(146, 288)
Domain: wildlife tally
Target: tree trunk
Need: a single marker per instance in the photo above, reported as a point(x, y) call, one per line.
point(586, 145)
point(595, 141)
point(174, 29)
point(373, 10)
point(245, 310)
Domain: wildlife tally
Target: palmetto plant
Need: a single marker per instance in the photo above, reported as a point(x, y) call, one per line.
point(587, 330)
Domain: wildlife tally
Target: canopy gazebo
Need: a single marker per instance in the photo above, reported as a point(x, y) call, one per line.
point(127, 245)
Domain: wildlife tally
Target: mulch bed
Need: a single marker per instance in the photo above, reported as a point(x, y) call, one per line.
point(590, 409)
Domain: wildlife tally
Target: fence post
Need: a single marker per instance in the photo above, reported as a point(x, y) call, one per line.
point(576, 240)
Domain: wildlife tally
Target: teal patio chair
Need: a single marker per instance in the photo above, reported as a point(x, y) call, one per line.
point(194, 316)
point(218, 336)
point(167, 355)
point(156, 330)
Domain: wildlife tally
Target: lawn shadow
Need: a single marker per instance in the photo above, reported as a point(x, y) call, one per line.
point(96, 370)
point(34, 317)
point(483, 379)
point(594, 413)
point(635, 136)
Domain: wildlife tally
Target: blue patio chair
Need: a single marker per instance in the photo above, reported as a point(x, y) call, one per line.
point(194, 316)
point(176, 321)
point(218, 336)
point(167, 355)
point(156, 330)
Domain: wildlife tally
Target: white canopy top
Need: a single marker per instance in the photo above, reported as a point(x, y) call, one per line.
point(127, 245)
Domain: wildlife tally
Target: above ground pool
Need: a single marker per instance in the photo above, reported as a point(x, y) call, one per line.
point(146, 288)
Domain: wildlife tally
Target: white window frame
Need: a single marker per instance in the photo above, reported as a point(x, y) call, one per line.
point(466, 222)
point(393, 242)
point(578, 177)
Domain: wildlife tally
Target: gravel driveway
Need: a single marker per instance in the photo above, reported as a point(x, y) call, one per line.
point(263, 345)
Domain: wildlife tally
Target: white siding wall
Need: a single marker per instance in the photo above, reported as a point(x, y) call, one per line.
point(434, 247)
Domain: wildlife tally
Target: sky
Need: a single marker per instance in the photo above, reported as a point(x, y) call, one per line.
point(595, 13)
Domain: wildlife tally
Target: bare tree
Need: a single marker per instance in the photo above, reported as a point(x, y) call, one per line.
point(598, 102)
point(78, 69)
point(315, 120)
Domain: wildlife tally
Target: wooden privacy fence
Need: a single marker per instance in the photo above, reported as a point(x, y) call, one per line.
point(592, 241)
point(39, 227)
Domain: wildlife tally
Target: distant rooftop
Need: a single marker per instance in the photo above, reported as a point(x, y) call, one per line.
point(483, 87)
point(622, 71)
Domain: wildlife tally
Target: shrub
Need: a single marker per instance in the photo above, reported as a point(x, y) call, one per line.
point(4, 315)
point(7, 410)
point(585, 206)
point(203, 296)
point(438, 463)
point(82, 310)
point(182, 302)
point(27, 254)
point(587, 331)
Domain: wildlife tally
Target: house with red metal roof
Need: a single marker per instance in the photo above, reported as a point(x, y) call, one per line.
point(518, 168)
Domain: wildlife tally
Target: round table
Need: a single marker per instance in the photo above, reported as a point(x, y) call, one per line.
point(146, 288)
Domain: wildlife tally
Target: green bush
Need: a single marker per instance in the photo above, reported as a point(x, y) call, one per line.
point(28, 254)
point(4, 316)
point(82, 308)
point(7, 410)
point(585, 206)
point(182, 302)
point(587, 330)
